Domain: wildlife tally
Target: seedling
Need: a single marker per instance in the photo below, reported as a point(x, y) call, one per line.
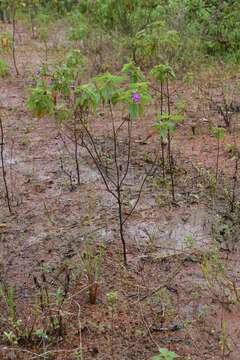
point(17, 331)
point(92, 263)
point(165, 354)
point(152, 234)
point(4, 68)
point(78, 355)
point(159, 72)
point(50, 303)
point(190, 241)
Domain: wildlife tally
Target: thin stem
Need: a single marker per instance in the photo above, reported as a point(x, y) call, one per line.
point(149, 173)
point(163, 157)
point(115, 146)
point(162, 142)
point(235, 180)
point(46, 50)
point(31, 15)
point(129, 152)
point(99, 169)
point(120, 182)
point(97, 155)
point(3, 168)
point(76, 153)
point(169, 146)
point(121, 228)
point(14, 37)
point(217, 164)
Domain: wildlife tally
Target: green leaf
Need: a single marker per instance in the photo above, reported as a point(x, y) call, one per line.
point(88, 96)
point(165, 354)
point(41, 334)
point(41, 102)
point(162, 128)
point(177, 118)
point(168, 355)
point(218, 132)
point(134, 72)
point(162, 72)
point(108, 86)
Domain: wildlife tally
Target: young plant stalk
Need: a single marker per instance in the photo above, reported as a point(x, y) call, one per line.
point(162, 140)
point(235, 181)
point(167, 122)
point(218, 133)
point(170, 157)
point(115, 182)
point(119, 182)
point(92, 263)
point(3, 167)
point(76, 145)
point(14, 10)
point(109, 90)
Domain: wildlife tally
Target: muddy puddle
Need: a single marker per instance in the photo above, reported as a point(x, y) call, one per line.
point(9, 160)
point(188, 228)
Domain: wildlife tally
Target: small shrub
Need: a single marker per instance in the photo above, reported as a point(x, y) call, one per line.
point(41, 102)
point(165, 354)
point(4, 68)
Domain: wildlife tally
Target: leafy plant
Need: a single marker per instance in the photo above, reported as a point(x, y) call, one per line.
point(221, 284)
point(92, 263)
point(165, 354)
point(41, 102)
point(4, 68)
point(167, 122)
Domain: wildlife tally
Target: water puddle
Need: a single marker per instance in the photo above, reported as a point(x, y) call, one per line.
point(191, 228)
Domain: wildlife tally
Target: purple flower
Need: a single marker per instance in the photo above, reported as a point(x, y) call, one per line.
point(37, 72)
point(50, 82)
point(136, 97)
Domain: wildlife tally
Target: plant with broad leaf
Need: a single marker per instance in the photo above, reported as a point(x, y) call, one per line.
point(41, 101)
point(57, 93)
point(133, 98)
point(165, 354)
point(110, 91)
point(134, 72)
point(75, 106)
point(155, 43)
point(167, 121)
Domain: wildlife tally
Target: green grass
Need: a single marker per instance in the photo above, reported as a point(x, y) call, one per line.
point(4, 68)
